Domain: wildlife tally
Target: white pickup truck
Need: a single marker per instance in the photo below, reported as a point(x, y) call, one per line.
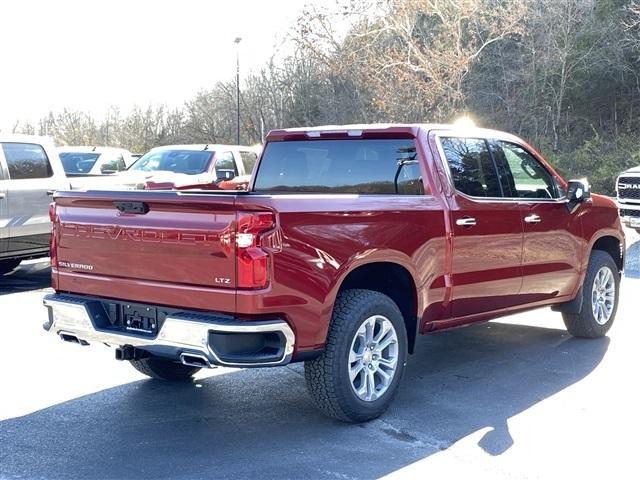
point(30, 171)
point(175, 167)
point(188, 166)
point(628, 189)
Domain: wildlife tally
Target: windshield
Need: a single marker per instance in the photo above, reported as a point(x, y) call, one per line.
point(190, 162)
point(78, 162)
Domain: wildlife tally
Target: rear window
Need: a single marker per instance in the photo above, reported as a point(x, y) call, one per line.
point(340, 166)
point(26, 160)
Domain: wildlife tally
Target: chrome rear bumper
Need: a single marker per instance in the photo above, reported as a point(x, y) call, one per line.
point(180, 334)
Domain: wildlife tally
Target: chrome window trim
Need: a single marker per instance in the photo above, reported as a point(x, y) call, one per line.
point(447, 169)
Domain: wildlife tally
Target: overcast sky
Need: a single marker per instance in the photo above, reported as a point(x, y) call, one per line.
point(94, 53)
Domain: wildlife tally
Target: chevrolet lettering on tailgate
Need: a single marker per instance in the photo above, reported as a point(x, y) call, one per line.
point(139, 234)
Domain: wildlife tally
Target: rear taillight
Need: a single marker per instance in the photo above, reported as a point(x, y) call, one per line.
point(253, 261)
point(52, 238)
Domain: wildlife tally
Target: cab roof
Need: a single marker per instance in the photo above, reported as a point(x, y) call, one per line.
point(209, 147)
point(381, 130)
point(89, 149)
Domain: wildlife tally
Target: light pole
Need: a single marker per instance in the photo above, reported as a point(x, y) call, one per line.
point(237, 42)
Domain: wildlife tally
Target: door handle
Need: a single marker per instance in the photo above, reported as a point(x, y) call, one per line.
point(533, 218)
point(50, 192)
point(466, 222)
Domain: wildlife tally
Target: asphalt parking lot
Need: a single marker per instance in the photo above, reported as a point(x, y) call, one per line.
point(514, 398)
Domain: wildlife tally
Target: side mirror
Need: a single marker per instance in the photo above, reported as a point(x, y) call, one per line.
point(223, 174)
point(578, 191)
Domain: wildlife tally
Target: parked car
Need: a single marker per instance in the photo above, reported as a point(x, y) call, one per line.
point(190, 166)
point(628, 191)
point(30, 171)
point(84, 161)
point(94, 167)
point(350, 241)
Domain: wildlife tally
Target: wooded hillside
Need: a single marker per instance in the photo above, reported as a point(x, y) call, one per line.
point(563, 74)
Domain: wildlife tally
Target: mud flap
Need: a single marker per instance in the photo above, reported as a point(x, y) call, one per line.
point(574, 306)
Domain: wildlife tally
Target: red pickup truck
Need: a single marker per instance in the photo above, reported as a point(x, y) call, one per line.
point(349, 242)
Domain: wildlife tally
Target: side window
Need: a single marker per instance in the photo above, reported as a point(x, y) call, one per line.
point(26, 160)
point(226, 165)
point(471, 166)
point(248, 161)
point(526, 176)
point(120, 165)
point(113, 164)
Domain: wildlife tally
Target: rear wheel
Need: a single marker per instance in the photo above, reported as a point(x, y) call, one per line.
point(164, 369)
point(599, 298)
point(357, 375)
point(7, 266)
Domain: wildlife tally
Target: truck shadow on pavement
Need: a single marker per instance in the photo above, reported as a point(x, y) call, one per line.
point(28, 276)
point(262, 424)
point(632, 260)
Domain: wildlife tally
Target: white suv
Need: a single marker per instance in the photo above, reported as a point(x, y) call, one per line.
point(30, 171)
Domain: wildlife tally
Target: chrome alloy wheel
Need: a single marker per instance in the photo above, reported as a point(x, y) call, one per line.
point(373, 358)
point(603, 295)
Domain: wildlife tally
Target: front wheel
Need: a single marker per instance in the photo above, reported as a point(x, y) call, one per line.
point(357, 375)
point(600, 292)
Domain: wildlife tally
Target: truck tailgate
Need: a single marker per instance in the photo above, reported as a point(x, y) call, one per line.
point(163, 238)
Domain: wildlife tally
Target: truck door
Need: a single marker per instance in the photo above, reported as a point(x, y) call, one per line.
point(4, 211)
point(552, 249)
point(487, 231)
point(29, 188)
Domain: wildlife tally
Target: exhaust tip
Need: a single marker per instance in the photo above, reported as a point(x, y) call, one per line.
point(195, 360)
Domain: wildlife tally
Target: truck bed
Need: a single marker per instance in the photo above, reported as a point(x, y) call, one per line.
point(181, 252)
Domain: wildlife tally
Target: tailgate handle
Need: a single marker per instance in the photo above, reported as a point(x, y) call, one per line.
point(132, 207)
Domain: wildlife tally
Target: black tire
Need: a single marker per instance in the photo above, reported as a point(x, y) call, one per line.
point(327, 377)
point(7, 266)
point(164, 369)
point(584, 324)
